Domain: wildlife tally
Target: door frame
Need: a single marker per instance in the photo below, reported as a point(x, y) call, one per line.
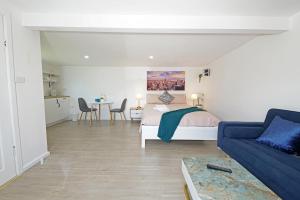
point(8, 36)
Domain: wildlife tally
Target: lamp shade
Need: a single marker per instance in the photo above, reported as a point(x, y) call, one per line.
point(138, 96)
point(194, 96)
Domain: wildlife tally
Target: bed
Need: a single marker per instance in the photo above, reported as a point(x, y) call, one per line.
point(193, 126)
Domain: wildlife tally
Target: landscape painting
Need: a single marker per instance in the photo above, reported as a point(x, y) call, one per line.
point(165, 80)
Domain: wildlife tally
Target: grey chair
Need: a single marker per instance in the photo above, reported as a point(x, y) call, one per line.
point(83, 107)
point(120, 110)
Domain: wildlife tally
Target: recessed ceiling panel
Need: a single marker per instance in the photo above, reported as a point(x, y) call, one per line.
point(111, 49)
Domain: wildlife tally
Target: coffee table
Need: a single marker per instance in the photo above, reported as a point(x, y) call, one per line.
point(207, 184)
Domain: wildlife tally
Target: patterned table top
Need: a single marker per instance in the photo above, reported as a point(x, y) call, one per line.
point(212, 184)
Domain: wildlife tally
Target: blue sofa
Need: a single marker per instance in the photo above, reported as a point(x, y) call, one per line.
point(278, 170)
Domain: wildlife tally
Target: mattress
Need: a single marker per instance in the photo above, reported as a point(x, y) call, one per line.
point(153, 112)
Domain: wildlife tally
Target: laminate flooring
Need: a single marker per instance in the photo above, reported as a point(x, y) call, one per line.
point(106, 161)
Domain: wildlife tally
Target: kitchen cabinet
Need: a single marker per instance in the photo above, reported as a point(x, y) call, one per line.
point(57, 109)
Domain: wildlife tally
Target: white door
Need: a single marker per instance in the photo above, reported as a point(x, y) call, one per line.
point(7, 159)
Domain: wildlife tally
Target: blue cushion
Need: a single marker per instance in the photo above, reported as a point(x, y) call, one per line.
point(282, 134)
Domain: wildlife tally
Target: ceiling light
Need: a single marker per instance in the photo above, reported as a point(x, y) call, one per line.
point(86, 57)
point(151, 57)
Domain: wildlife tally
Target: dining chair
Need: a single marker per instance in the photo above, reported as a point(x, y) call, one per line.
point(120, 110)
point(83, 107)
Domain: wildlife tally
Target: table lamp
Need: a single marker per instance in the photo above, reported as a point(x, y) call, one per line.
point(194, 97)
point(138, 97)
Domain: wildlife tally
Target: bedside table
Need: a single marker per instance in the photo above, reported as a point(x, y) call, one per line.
point(136, 113)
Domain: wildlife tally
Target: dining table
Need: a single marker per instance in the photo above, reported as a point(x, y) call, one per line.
point(100, 104)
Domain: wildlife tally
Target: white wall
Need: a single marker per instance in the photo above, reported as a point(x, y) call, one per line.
point(117, 83)
point(262, 74)
point(30, 117)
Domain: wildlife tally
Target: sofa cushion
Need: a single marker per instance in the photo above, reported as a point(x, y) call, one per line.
point(285, 114)
point(282, 134)
point(274, 168)
point(243, 132)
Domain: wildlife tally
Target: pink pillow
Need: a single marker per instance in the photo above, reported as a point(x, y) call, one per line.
point(179, 99)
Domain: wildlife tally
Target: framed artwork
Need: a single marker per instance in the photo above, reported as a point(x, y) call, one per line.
point(165, 80)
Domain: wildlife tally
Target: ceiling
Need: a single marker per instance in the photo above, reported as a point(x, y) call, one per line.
point(132, 49)
point(121, 49)
point(164, 7)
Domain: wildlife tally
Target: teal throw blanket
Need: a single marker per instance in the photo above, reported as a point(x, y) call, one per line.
point(170, 120)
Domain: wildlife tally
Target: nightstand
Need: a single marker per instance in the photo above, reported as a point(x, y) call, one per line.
point(136, 113)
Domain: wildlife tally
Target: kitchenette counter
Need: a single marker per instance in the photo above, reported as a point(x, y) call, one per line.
point(57, 109)
point(55, 97)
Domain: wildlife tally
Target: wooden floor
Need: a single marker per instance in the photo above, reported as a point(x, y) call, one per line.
point(105, 161)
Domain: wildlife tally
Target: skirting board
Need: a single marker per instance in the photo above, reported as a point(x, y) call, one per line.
point(57, 122)
point(35, 161)
point(181, 133)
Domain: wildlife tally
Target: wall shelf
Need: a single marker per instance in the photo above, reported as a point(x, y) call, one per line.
point(50, 78)
point(50, 74)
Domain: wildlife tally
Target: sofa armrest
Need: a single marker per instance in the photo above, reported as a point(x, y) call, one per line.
point(239, 130)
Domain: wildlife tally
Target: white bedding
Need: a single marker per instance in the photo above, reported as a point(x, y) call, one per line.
point(152, 114)
point(161, 108)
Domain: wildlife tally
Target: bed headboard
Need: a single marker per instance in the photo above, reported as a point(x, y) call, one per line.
point(153, 99)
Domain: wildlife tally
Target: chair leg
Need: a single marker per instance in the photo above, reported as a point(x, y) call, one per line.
point(96, 115)
point(85, 115)
point(114, 116)
point(91, 118)
point(124, 116)
point(80, 118)
point(121, 115)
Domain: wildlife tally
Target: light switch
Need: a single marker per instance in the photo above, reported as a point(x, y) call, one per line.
point(20, 79)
